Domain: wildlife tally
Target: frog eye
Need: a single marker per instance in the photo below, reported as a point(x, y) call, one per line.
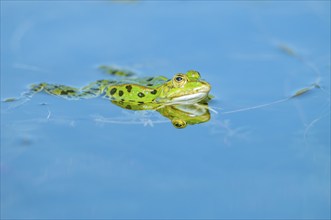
point(179, 123)
point(179, 80)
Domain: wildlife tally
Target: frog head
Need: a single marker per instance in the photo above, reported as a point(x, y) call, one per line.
point(184, 89)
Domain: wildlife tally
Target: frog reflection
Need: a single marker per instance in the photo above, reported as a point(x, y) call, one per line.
point(179, 115)
point(183, 115)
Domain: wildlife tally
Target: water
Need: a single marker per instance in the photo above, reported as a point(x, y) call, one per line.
point(59, 161)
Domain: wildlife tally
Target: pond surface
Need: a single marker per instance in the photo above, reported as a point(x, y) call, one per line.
point(260, 155)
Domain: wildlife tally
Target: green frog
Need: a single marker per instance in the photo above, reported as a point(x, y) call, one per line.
point(148, 93)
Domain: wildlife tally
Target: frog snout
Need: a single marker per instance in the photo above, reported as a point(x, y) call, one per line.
point(205, 88)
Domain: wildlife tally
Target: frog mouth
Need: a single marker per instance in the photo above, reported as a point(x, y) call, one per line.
point(190, 98)
point(196, 95)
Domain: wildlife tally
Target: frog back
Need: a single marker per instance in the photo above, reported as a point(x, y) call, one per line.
point(131, 93)
point(141, 91)
point(150, 82)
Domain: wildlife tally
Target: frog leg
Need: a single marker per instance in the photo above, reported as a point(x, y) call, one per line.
point(55, 89)
point(95, 89)
point(92, 90)
point(25, 96)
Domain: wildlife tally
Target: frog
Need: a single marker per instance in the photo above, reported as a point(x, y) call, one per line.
point(143, 93)
point(146, 93)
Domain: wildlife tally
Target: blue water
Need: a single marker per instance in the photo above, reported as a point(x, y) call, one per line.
point(58, 161)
